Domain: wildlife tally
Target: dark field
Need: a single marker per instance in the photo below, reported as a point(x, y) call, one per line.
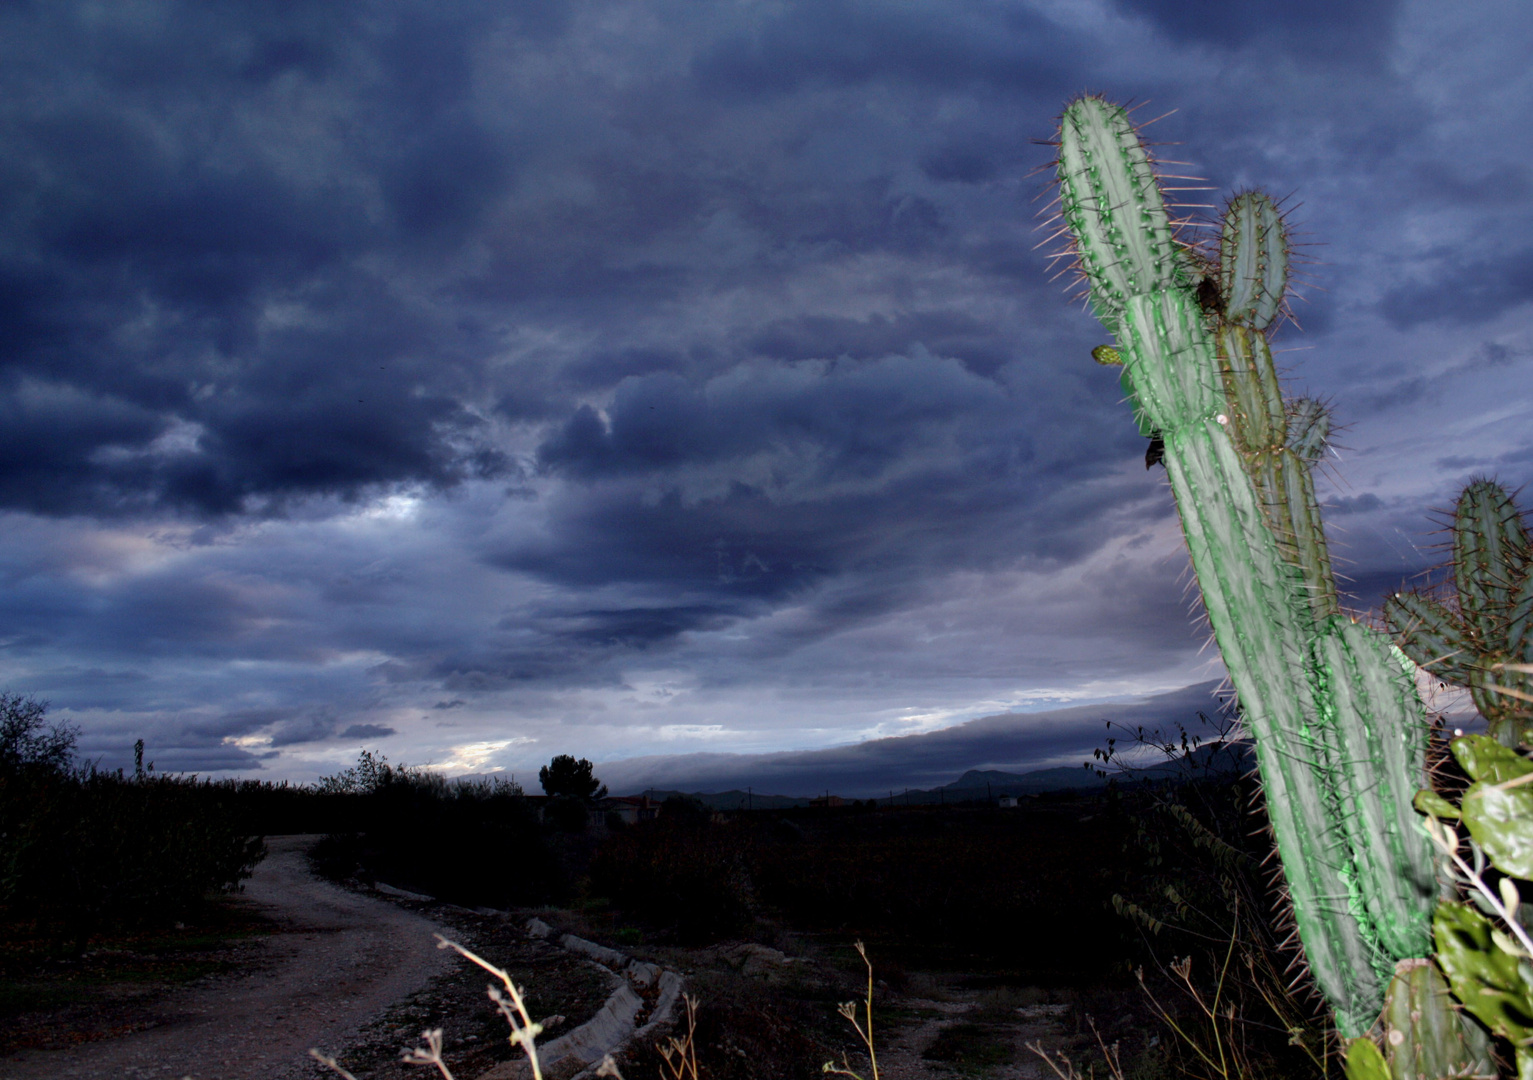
point(1059, 900)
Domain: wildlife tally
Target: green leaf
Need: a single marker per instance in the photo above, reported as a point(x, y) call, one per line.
point(1429, 802)
point(1364, 1062)
point(1501, 819)
point(1484, 978)
point(1483, 758)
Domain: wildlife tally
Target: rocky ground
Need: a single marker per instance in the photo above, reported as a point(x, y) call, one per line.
point(357, 974)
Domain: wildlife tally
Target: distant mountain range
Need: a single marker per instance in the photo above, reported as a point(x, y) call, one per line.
point(1015, 743)
point(1212, 759)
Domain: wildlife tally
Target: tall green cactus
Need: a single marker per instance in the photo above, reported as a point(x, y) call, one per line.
point(1493, 624)
point(1339, 731)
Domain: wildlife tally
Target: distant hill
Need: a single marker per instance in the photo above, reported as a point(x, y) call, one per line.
point(996, 782)
point(729, 800)
point(1211, 759)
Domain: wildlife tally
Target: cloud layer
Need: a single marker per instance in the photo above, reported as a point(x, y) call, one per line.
point(631, 377)
point(1009, 742)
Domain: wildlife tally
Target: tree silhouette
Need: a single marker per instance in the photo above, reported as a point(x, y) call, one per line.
point(566, 776)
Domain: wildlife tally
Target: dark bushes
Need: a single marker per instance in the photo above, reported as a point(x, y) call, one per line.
point(82, 850)
point(679, 874)
point(477, 844)
point(1026, 890)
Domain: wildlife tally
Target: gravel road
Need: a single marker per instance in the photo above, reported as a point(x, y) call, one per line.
point(337, 960)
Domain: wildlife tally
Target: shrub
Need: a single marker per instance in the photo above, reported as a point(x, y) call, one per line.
point(83, 850)
point(679, 875)
point(485, 843)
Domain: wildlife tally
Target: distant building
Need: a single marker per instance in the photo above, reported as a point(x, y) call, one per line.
point(827, 800)
point(631, 809)
point(1008, 800)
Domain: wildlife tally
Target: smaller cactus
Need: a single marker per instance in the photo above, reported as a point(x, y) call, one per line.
point(1489, 637)
point(1423, 1035)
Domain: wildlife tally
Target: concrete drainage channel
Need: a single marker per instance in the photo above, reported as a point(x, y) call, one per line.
point(577, 1054)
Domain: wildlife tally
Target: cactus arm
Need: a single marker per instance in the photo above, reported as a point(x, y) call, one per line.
point(1253, 273)
point(1250, 379)
point(1309, 426)
point(1429, 634)
point(1307, 533)
point(1124, 244)
point(1422, 1032)
point(1253, 261)
point(1253, 625)
point(1490, 546)
point(1519, 620)
point(1493, 571)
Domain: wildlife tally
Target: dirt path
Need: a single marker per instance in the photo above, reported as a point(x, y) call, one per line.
point(901, 1058)
point(339, 959)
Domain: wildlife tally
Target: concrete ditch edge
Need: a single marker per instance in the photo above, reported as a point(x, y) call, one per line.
point(577, 1054)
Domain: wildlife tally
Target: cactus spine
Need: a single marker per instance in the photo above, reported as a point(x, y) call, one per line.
point(1338, 729)
point(1493, 625)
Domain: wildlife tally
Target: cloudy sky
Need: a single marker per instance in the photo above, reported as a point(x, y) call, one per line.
point(476, 382)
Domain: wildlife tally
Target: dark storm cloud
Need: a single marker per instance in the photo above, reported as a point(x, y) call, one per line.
point(861, 419)
point(160, 217)
point(359, 358)
point(844, 42)
point(1011, 743)
point(1353, 31)
point(367, 731)
point(1463, 291)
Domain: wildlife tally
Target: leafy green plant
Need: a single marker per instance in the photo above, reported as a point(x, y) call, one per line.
point(1339, 731)
point(1483, 946)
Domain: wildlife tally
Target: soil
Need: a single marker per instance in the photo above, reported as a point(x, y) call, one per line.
point(305, 963)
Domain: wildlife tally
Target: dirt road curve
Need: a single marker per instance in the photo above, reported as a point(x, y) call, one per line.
point(339, 959)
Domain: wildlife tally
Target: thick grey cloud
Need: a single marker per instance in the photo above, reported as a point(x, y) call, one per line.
point(635, 377)
point(1008, 742)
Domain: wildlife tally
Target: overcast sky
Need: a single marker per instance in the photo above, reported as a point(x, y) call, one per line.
point(477, 382)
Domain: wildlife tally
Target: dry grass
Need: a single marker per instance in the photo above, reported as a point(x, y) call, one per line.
point(510, 1003)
